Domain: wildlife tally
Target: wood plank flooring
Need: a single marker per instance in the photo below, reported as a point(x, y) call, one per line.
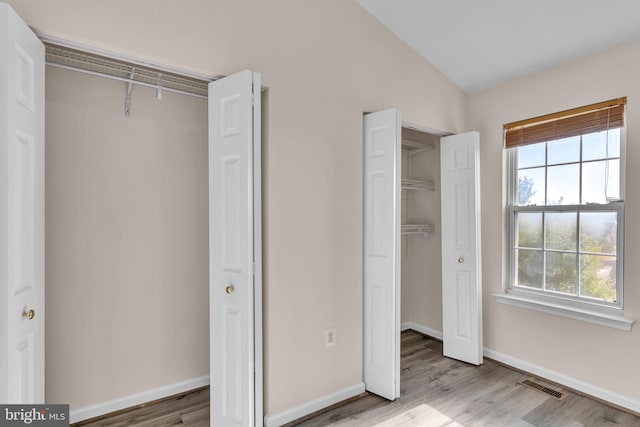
point(191, 409)
point(435, 391)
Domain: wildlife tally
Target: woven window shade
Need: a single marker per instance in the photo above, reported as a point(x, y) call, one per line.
point(574, 122)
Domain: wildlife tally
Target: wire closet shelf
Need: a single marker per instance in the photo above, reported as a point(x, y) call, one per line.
point(130, 72)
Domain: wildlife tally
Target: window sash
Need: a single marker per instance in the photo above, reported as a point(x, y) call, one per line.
point(574, 300)
point(618, 208)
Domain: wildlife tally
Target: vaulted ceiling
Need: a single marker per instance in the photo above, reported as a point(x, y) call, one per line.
point(481, 43)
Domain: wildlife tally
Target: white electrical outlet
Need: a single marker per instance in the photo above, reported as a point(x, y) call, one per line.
point(329, 337)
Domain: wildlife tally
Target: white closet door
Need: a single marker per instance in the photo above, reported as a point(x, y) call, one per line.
point(461, 275)
point(21, 211)
point(382, 145)
point(235, 251)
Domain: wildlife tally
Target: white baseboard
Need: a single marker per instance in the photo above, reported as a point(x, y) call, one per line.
point(313, 406)
point(586, 388)
point(422, 329)
point(544, 373)
point(307, 408)
point(103, 408)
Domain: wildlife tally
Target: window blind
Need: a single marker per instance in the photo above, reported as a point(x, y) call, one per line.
point(576, 121)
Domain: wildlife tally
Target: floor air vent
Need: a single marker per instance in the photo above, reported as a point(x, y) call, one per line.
point(543, 389)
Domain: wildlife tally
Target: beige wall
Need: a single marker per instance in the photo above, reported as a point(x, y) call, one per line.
point(325, 62)
point(126, 239)
point(601, 356)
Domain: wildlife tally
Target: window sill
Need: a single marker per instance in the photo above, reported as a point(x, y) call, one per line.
point(590, 316)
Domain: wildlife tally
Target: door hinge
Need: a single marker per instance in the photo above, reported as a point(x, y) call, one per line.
point(253, 268)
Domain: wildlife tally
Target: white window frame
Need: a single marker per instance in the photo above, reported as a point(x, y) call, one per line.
point(581, 308)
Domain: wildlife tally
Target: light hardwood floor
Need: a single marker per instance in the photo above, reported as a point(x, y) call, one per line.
point(191, 409)
point(435, 391)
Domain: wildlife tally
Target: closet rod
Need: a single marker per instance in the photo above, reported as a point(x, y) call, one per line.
point(122, 79)
point(64, 43)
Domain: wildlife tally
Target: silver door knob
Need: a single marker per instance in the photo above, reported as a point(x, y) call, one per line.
point(460, 260)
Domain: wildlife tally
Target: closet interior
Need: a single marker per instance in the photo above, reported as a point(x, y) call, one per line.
point(126, 227)
point(420, 219)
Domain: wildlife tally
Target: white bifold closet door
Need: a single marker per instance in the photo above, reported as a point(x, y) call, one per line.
point(21, 211)
point(235, 288)
point(462, 296)
point(381, 247)
point(461, 267)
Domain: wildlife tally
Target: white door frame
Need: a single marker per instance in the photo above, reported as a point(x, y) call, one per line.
point(257, 257)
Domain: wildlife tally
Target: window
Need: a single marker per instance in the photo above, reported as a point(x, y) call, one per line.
point(566, 207)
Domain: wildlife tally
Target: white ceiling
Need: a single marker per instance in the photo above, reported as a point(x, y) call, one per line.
point(481, 43)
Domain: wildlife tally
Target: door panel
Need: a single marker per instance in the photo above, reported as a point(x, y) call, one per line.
point(232, 375)
point(461, 278)
point(377, 355)
point(235, 241)
point(461, 210)
point(381, 270)
point(21, 211)
point(379, 226)
point(230, 175)
point(463, 305)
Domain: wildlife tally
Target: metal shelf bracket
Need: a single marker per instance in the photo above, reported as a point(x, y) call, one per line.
point(127, 98)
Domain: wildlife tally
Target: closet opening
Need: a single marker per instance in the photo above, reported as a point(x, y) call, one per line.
point(401, 243)
point(421, 259)
point(420, 244)
point(126, 241)
point(125, 231)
